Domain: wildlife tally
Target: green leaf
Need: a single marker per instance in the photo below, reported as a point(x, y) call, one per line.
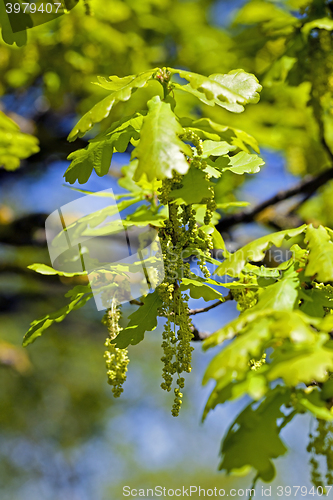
point(143, 186)
point(198, 290)
point(293, 324)
point(281, 295)
point(102, 109)
point(240, 82)
point(255, 251)
point(89, 224)
point(232, 204)
point(262, 271)
point(315, 300)
point(320, 260)
point(229, 91)
point(144, 319)
point(208, 129)
point(218, 242)
point(97, 156)
point(126, 123)
point(256, 429)
point(302, 363)
point(216, 148)
point(14, 145)
point(324, 23)
point(241, 163)
point(114, 82)
point(232, 363)
point(160, 151)
point(38, 326)
point(143, 216)
point(47, 270)
point(313, 403)
point(194, 188)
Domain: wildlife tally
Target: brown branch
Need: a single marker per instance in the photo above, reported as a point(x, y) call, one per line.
point(192, 312)
point(308, 186)
point(198, 336)
point(135, 302)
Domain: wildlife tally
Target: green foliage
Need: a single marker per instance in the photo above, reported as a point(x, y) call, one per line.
point(241, 163)
point(255, 251)
point(229, 91)
point(160, 151)
point(186, 168)
point(247, 434)
point(142, 320)
point(14, 145)
point(122, 89)
point(320, 261)
point(78, 299)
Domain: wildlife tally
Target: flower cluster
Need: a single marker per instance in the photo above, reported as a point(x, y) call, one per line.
point(255, 364)
point(176, 343)
point(245, 298)
point(321, 444)
point(116, 359)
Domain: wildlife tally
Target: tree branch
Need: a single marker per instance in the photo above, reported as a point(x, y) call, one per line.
point(192, 312)
point(198, 336)
point(308, 186)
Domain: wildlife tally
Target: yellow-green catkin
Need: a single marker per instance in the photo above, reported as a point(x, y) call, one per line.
point(255, 364)
point(116, 359)
point(180, 238)
point(321, 443)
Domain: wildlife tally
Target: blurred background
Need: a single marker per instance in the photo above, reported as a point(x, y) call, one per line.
point(62, 435)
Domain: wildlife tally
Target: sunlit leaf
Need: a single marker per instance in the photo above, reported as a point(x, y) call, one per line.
point(144, 319)
point(102, 109)
point(160, 150)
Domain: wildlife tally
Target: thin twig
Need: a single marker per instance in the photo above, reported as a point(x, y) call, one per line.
point(308, 185)
point(135, 302)
point(192, 312)
point(198, 336)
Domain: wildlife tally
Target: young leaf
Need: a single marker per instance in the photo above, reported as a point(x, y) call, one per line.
point(320, 260)
point(160, 151)
point(114, 82)
point(229, 91)
point(216, 148)
point(194, 188)
point(14, 145)
point(97, 156)
point(199, 290)
point(302, 364)
point(144, 319)
point(241, 163)
point(102, 109)
point(256, 429)
point(323, 24)
point(315, 300)
point(44, 269)
point(281, 295)
point(38, 326)
point(255, 251)
point(208, 129)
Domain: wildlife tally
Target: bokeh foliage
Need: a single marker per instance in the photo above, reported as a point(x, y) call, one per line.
point(286, 44)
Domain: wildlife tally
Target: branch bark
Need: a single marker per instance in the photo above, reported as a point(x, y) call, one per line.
point(192, 312)
point(308, 186)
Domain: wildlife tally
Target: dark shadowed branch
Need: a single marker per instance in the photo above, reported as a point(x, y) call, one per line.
point(308, 186)
point(192, 312)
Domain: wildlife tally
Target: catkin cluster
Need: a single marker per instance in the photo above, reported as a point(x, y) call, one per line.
point(321, 443)
point(180, 238)
point(116, 359)
point(245, 298)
